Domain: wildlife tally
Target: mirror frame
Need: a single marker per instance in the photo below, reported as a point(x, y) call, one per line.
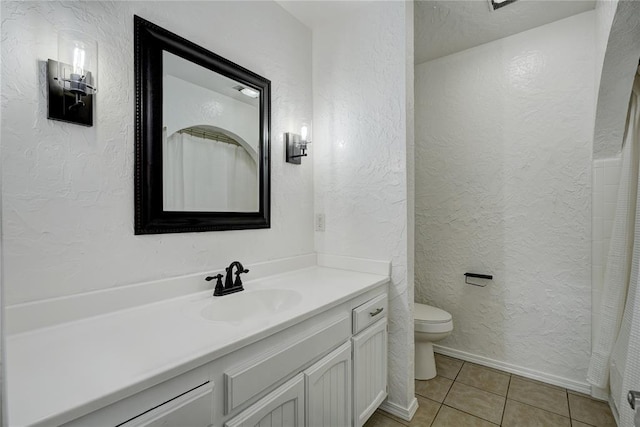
point(150, 217)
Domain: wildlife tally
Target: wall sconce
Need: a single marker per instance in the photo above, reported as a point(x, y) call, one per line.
point(72, 79)
point(296, 145)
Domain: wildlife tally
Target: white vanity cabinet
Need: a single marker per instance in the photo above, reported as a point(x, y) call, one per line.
point(327, 370)
point(369, 357)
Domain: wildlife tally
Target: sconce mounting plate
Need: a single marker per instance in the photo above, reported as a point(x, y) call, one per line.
point(292, 149)
point(60, 101)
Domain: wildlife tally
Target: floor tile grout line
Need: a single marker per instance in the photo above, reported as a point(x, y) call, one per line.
point(467, 385)
point(384, 414)
point(488, 391)
point(504, 408)
point(450, 386)
point(482, 367)
point(477, 388)
point(544, 410)
point(470, 414)
point(458, 373)
point(537, 407)
point(436, 416)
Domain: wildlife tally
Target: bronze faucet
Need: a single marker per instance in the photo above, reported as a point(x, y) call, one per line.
point(230, 286)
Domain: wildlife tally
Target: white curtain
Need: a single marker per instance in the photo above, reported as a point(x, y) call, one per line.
point(205, 175)
point(615, 358)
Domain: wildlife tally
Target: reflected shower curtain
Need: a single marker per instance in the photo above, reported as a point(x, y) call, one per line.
point(201, 174)
point(615, 359)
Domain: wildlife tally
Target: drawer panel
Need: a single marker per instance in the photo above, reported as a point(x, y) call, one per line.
point(249, 379)
point(370, 312)
point(158, 399)
point(193, 409)
point(283, 407)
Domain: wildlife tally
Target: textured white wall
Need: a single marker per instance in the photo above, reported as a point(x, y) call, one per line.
point(68, 190)
point(503, 186)
point(362, 85)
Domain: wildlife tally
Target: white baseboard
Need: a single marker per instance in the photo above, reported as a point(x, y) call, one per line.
point(581, 387)
point(600, 393)
point(400, 411)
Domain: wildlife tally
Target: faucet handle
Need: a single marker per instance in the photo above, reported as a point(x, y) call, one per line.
point(217, 291)
point(238, 281)
point(210, 278)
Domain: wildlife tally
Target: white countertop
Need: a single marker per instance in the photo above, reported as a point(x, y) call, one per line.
point(59, 373)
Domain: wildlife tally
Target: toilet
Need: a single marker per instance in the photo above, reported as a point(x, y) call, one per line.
point(431, 324)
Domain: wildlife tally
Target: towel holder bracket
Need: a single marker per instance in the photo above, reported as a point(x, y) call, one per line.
point(477, 276)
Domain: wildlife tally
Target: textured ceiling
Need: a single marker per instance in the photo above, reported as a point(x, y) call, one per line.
point(446, 27)
point(314, 12)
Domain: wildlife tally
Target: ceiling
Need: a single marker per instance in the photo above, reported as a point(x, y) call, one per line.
point(313, 13)
point(193, 73)
point(446, 27)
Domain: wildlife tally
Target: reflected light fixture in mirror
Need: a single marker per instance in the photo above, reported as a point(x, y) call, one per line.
point(251, 93)
point(72, 79)
point(296, 144)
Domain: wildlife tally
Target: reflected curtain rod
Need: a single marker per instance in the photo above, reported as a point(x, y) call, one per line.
point(199, 132)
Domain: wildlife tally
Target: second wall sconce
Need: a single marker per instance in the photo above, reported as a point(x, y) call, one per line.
point(296, 145)
point(72, 79)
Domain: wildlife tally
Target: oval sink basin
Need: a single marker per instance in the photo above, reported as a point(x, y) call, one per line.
point(247, 304)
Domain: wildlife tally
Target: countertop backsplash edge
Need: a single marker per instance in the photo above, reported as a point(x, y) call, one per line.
point(28, 316)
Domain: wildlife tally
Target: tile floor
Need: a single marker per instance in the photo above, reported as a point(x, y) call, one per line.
point(469, 395)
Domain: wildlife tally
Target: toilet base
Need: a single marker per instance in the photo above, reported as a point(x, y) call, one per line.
point(425, 362)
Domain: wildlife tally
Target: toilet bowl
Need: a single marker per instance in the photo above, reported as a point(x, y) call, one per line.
point(430, 324)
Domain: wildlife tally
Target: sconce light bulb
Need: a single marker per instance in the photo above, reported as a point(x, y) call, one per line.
point(303, 133)
point(78, 61)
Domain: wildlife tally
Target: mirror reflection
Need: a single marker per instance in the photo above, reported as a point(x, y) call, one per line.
point(210, 140)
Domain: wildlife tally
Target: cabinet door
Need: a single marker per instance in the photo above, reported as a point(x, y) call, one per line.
point(328, 390)
point(369, 370)
point(283, 407)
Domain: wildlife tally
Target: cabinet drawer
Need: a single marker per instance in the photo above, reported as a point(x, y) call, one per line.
point(192, 409)
point(370, 312)
point(190, 393)
point(283, 407)
point(250, 379)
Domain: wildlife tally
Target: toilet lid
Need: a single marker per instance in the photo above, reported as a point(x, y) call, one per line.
point(428, 314)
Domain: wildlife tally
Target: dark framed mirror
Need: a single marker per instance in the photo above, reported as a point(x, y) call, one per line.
point(202, 138)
